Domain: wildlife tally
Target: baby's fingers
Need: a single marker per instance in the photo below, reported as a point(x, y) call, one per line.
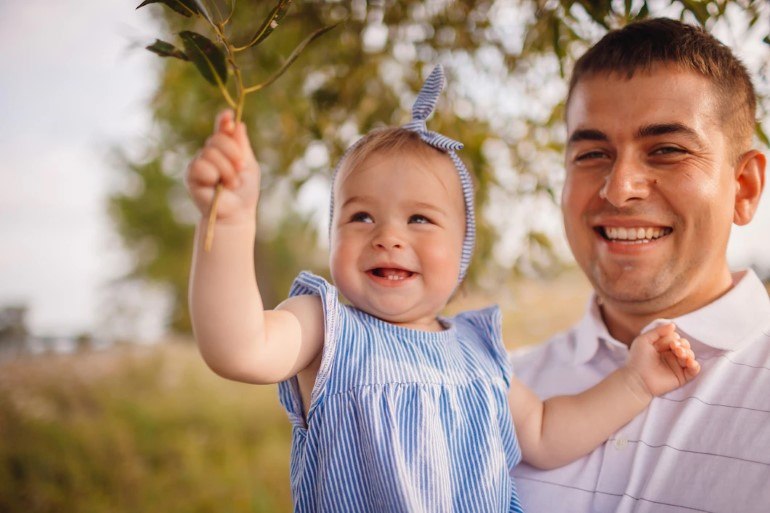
point(225, 122)
point(213, 155)
point(225, 125)
point(686, 357)
point(202, 173)
point(692, 369)
point(681, 348)
point(654, 335)
point(667, 342)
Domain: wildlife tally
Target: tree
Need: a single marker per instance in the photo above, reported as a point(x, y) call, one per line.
point(507, 62)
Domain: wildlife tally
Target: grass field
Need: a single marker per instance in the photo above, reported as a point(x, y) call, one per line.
point(151, 429)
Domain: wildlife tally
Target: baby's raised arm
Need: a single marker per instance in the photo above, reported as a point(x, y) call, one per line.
point(236, 337)
point(561, 429)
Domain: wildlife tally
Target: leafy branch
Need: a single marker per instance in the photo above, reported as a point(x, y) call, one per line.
point(216, 61)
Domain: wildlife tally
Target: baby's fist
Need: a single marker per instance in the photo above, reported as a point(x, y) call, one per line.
point(226, 161)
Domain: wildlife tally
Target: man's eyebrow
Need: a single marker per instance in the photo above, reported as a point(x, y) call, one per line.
point(665, 129)
point(587, 134)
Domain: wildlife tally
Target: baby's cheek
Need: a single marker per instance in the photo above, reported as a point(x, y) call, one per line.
point(445, 262)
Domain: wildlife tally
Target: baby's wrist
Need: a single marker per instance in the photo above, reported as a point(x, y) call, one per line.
point(233, 225)
point(636, 385)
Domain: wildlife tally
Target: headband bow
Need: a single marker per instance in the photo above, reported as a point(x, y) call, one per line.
point(421, 110)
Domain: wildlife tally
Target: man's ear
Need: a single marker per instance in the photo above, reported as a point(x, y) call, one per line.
point(750, 178)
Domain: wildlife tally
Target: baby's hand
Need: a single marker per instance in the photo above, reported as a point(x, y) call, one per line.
point(226, 158)
point(662, 359)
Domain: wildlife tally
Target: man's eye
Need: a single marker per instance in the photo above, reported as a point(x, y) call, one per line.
point(418, 219)
point(668, 150)
point(361, 217)
point(590, 155)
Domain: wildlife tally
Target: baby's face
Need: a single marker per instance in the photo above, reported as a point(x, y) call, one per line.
point(397, 234)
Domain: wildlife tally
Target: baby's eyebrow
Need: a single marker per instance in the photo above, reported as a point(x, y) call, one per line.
point(357, 199)
point(429, 206)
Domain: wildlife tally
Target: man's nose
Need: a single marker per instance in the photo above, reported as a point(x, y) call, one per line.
point(387, 237)
point(626, 182)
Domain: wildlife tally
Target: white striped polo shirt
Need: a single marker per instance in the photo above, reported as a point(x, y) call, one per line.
point(702, 448)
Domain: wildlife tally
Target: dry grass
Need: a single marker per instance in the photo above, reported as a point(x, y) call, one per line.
point(533, 310)
point(138, 429)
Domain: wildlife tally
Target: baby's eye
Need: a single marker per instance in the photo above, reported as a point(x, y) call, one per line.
point(361, 217)
point(419, 219)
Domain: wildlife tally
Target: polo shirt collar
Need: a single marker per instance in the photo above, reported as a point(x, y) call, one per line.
point(724, 324)
point(733, 319)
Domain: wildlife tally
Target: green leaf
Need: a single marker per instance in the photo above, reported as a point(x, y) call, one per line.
point(762, 135)
point(628, 5)
point(270, 23)
point(698, 9)
point(165, 49)
point(598, 10)
point(291, 59)
point(209, 59)
point(540, 239)
point(183, 7)
point(558, 48)
point(766, 40)
point(204, 10)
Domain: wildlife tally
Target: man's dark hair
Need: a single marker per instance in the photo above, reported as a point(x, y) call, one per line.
point(643, 45)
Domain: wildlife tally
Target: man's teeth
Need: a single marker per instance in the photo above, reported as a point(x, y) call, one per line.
point(640, 234)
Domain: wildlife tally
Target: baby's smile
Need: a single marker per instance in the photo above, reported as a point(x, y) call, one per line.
point(390, 273)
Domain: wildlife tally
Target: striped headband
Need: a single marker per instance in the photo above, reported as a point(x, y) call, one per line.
point(421, 110)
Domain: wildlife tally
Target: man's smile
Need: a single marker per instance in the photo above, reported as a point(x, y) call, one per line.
point(633, 234)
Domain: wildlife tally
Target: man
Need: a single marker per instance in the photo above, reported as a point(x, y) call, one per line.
point(659, 165)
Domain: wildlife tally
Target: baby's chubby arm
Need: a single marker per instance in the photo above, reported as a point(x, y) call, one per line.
point(561, 429)
point(236, 337)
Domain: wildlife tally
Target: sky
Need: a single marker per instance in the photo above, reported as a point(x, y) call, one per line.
point(75, 83)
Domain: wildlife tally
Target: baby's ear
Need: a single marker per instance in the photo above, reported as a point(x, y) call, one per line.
point(750, 180)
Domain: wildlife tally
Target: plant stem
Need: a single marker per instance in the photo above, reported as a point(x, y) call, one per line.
point(219, 29)
point(212, 219)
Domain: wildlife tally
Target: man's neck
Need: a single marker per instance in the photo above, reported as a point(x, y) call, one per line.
point(623, 327)
point(625, 321)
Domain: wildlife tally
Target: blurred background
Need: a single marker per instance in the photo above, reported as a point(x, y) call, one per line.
point(105, 404)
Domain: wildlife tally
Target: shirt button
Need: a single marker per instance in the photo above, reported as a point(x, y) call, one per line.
point(621, 443)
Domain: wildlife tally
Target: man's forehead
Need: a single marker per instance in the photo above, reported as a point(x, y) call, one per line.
point(662, 95)
point(674, 75)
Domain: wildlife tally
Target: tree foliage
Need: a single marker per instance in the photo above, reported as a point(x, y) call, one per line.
point(507, 61)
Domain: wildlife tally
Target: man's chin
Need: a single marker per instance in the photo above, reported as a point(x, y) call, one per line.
point(629, 288)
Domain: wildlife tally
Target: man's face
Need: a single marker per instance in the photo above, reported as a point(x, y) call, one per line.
point(650, 190)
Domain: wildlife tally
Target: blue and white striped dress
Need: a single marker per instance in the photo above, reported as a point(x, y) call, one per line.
point(402, 420)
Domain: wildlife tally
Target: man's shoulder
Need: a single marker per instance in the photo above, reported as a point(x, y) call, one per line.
point(557, 345)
